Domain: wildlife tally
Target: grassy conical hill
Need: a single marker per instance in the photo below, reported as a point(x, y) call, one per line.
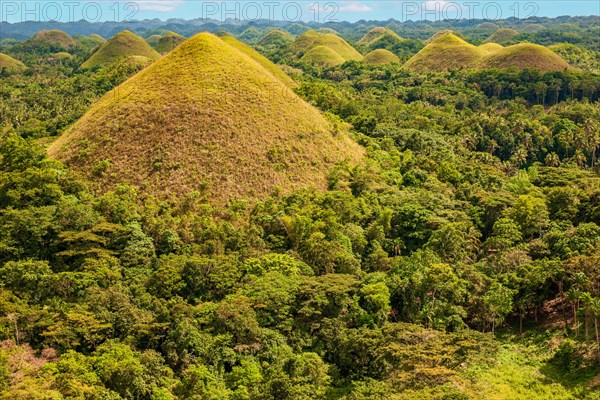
point(89, 43)
point(441, 33)
point(276, 37)
point(311, 39)
point(502, 35)
point(262, 60)
point(251, 35)
point(378, 34)
point(9, 64)
point(168, 42)
point(379, 57)
point(530, 28)
point(123, 44)
point(205, 117)
point(97, 38)
point(446, 52)
point(525, 55)
point(323, 56)
point(54, 39)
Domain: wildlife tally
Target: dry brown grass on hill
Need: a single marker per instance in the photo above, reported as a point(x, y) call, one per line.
point(205, 117)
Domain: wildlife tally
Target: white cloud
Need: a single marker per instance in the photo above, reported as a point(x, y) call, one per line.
point(158, 5)
point(354, 7)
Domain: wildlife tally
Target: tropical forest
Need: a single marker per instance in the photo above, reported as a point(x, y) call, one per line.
point(272, 210)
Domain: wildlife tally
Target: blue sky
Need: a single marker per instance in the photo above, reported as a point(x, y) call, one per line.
point(320, 11)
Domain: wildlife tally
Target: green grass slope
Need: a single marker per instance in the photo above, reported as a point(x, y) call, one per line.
point(168, 42)
point(97, 38)
point(323, 56)
point(206, 117)
point(489, 48)
point(377, 34)
point(123, 44)
point(251, 35)
point(379, 57)
point(525, 55)
point(153, 39)
point(91, 42)
point(445, 52)
point(310, 39)
point(502, 35)
point(9, 64)
point(262, 60)
point(578, 57)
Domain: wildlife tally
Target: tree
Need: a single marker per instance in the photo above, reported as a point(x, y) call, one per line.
point(200, 383)
point(531, 213)
point(498, 302)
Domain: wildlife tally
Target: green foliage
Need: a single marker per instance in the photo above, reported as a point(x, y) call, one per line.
point(475, 209)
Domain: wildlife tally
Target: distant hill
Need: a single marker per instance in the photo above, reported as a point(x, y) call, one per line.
point(206, 117)
point(378, 35)
point(525, 55)
point(529, 28)
point(379, 57)
point(251, 35)
point(122, 45)
point(311, 39)
point(168, 42)
point(445, 52)
point(487, 26)
point(91, 42)
point(276, 37)
point(502, 35)
point(46, 42)
point(152, 40)
point(10, 65)
point(53, 38)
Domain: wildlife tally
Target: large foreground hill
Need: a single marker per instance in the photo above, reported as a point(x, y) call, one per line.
point(206, 117)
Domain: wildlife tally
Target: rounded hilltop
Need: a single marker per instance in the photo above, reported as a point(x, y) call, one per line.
point(502, 35)
point(449, 52)
point(526, 55)
point(168, 42)
point(276, 37)
point(312, 39)
point(53, 38)
point(206, 117)
point(446, 51)
point(380, 57)
point(123, 44)
point(378, 35)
